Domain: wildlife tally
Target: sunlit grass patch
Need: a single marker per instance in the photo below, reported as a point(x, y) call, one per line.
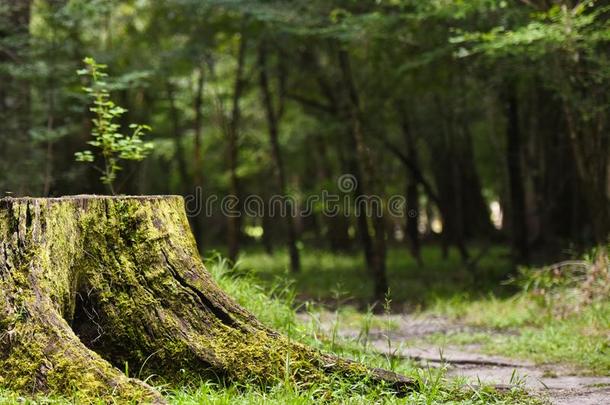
point(432, 387)
point(525, 330)
point(278, 311)
point(559, 317)
point(340, 278)
point(582, 340)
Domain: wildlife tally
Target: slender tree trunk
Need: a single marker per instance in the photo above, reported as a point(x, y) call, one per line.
point(476, 218)
point(412, 220)
point(93, 285)
point(234, 222)
point(412, 189)
point(273, 127)
point(48, 172)
point(590, 149)
point(55, 7)
point(352, 166)
point(370, 181)
point(198, 152)
point(448, 175)
point(267, 224)
point(15, 92)
point(362, 221)
point(337, 227)
point(177, 136)
point(518, 213)
point(20, 13)
point(440, 199)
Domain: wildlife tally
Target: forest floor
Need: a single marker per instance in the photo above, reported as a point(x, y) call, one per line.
point(463, 355)
point(473, 325)
point(459, 336)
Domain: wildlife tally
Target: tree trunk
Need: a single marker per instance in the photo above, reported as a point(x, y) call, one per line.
point(519, 231)
point(415, 178)
point(448, 173)
point(15, 97)
point(234, 222)
point(197, 151)
point(350, 162)
point(272, 122)
point(177, 137)
point(412, 188)
point(267, 224)
point(92, 283)
point(337, 226)
point(369, 178)
point(590, 149)
point(476, 217)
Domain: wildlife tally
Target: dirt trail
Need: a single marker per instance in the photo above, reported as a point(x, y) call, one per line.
point(557, 383)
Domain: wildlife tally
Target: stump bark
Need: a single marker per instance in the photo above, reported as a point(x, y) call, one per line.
point(89, 284)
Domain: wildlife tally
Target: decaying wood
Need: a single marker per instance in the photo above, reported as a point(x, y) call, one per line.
point(89, 284)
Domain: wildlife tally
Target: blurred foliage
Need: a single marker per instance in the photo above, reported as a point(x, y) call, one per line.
point(470, 102)
point(571, 286)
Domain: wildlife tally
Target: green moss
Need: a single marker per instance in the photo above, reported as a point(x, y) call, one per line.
point(22, 359)
point(154, 305)
point(35, 352)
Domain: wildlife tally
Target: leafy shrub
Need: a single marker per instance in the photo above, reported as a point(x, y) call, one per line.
point(568, 287)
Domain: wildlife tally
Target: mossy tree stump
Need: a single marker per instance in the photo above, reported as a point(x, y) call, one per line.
point(90, 283)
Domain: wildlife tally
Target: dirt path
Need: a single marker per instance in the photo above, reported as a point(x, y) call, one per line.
point(557, 383)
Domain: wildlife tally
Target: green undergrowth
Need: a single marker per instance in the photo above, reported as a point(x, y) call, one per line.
point(340, 278)
point(276, 308)
point(434, 390)
point(522, 328)
point(562, 315)
point(554, 314)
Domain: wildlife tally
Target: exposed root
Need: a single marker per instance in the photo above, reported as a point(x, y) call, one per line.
point(91, 284)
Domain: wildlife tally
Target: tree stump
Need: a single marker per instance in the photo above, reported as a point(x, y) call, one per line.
point(89, 284)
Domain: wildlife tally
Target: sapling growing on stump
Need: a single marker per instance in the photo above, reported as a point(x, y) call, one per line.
point(112, 145)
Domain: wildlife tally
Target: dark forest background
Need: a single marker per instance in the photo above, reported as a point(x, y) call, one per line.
point(490, 117)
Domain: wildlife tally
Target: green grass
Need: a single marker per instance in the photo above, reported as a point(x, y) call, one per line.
point(527, 328)
point(581, 339)
point(275, 305)
point(210, 393)
point(342, 278)
point(433, 391)
point(561, 316)
point(276, 308)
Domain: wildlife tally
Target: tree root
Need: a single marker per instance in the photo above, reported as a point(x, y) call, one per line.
point(90, 285)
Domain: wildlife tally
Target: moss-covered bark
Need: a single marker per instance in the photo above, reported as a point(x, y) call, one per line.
point(88, 284)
